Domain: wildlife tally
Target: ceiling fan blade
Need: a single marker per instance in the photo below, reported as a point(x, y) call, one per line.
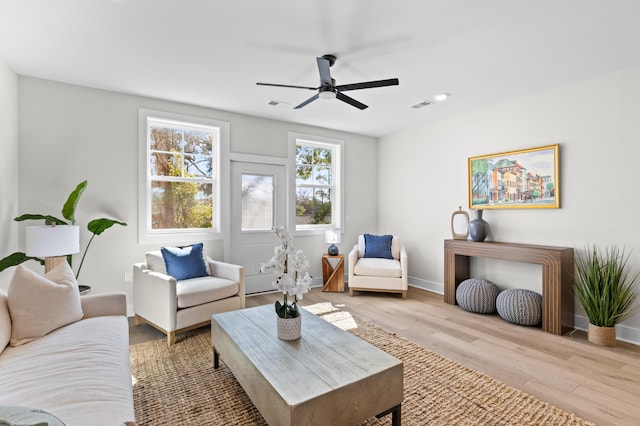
point(369, 84)
point(287, 85)
point(308, 101)
point(350, 101)
point(325, 72)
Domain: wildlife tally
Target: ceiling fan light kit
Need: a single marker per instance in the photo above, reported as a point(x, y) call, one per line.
point(327, 94)
point(329, 90)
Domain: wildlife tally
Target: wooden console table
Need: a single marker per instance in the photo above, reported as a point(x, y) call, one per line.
point(333, 276)
point(557, 274)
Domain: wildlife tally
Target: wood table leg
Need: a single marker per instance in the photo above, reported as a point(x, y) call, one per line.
point(216, 359)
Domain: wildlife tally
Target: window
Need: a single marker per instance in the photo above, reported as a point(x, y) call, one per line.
point(318, 191)
point(180, 176)
point(257, 202)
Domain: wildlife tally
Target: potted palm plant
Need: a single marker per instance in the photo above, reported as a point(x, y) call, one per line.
point(96, 227)
point(606, 290)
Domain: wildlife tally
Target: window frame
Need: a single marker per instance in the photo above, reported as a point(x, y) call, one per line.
point(220, 189)
point(337, 170)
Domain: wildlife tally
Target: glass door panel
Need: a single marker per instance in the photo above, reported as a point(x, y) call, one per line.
point(257, 202)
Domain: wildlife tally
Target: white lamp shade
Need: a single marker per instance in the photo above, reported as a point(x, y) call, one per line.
point(332, 236)
point(51, 241)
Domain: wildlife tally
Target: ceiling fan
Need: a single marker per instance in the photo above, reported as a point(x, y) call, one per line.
point(328, 88)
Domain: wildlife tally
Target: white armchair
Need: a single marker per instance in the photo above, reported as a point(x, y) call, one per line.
point(387, 275)
point(173, 306)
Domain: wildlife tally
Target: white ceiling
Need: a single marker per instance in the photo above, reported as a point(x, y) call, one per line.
point(212, 52)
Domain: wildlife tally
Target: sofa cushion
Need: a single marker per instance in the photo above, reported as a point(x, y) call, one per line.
point(5, 322)
point(25, 416)
point(184, 262)
point(378, 246)
point(39, 305)
point(376, 267)
point(197, 291)
point(81, 373)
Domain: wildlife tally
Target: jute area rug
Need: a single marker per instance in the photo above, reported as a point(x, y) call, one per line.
point(178, 386)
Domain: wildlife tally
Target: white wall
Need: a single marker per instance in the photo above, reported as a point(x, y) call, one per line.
point(596, 124)
point(8, 165)
point(71, 133)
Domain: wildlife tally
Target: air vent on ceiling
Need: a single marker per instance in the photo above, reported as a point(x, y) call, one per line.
point(421, 104)
point(279, 103)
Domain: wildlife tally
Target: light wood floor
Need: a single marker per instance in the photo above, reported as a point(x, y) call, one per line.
point(601, 385)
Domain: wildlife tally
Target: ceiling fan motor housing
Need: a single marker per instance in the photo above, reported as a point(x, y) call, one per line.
point(330, 58)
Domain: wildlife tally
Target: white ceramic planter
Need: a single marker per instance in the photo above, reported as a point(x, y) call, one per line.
point(290, 328)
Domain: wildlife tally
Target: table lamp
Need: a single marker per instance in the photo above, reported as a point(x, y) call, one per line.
point(53, 243)
point(332, 236)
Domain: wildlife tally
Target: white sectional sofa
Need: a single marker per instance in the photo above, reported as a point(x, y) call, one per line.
point(79, 373)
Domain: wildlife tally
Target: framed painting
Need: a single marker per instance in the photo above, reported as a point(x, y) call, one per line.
point(528, 178)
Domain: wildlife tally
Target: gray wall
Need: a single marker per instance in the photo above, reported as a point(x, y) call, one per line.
point(70, 133)
point(8, 164)
point(596, 124)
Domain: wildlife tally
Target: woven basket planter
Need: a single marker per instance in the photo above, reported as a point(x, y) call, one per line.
point(602, 336)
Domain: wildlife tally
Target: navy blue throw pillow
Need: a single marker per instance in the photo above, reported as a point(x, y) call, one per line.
point(184, 262)
point(378, 246)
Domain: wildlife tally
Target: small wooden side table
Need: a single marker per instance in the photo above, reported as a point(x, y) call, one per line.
point(333, 276)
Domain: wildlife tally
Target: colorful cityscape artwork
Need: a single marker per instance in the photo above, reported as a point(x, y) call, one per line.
point(526, 178)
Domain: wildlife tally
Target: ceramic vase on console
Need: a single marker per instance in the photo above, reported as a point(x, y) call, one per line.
point(478, 227)
point(460, 224)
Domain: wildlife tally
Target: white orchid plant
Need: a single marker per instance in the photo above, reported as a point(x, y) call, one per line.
point(289, 266)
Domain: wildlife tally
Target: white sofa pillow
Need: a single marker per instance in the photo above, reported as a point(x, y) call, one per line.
point(38, 305)
point(5, 322)
point(155, 262)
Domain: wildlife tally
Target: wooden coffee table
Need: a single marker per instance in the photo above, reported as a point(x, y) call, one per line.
point(328, 377)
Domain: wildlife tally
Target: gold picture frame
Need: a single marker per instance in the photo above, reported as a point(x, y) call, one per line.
point(528, 178)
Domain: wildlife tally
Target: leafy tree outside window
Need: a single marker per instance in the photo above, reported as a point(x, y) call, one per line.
point(317, 189)
point(181, 175)
point(181, 168)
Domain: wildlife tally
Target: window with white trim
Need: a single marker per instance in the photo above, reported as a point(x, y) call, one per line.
point(180, 176)
point(318, 177)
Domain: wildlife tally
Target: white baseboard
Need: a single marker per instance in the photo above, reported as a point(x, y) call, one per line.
point(426, 285)
point(623, 333)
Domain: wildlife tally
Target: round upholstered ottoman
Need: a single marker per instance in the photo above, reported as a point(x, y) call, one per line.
point(520, 306)
point(477, 295)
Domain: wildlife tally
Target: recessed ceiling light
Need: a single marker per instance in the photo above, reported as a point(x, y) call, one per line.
point(441, 96)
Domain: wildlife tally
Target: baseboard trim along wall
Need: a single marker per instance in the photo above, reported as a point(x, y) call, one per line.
point(623, 332)
point(426, 285)
point(580, 322)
